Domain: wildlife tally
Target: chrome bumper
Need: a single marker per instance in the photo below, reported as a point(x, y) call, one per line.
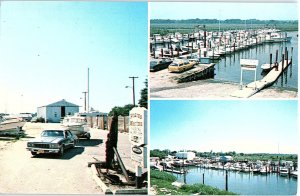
point(43, 150)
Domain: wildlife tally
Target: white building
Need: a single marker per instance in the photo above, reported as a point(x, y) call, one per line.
point(55, 111)
point(186, 155)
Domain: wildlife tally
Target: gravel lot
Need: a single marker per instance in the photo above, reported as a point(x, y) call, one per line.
point(49, 174)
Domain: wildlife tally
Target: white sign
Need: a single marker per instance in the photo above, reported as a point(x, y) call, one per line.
point(249, 64)
point(138, 126)
point(138, 136)
point(139, 155)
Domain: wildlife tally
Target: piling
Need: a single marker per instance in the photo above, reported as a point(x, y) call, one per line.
point(292, 54)
point(162, 53)
point(270, 60)
point(282, 60)
point(287, 57)
point(171, 51)
point(203, 178)
point(226, 181)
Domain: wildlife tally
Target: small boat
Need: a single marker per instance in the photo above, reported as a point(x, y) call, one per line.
point(77, 125)
point(267, 66)
point(294, 174)
point(11, 125)
point(284, 171)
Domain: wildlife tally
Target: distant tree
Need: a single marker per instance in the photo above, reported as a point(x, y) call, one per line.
point(143, 102)
point(158, 153)
point(121, 111)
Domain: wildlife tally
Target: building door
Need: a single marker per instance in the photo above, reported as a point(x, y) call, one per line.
point(63, 111)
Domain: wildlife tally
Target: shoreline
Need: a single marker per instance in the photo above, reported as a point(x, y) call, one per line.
point(211, 88)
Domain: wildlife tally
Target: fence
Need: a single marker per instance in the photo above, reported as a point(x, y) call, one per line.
point(103, 122)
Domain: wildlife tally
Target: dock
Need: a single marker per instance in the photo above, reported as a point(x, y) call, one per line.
point(254, 87)
point(176, 171)
point(199, 72)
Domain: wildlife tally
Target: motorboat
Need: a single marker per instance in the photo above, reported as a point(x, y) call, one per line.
point(11, 125)
point(284, 171)
point(77, 124)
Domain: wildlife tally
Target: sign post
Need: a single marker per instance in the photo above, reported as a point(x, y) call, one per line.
point(138, 137)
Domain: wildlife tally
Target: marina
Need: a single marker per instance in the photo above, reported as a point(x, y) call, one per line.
point(241, 182)
point(225, 50)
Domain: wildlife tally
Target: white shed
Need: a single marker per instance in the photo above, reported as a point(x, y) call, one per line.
point(185, 155)
point(55, 111)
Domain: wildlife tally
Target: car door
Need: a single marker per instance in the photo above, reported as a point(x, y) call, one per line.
point(67, 139)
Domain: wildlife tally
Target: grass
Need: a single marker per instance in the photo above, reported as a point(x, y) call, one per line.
point(164, 29)
point(162, 182)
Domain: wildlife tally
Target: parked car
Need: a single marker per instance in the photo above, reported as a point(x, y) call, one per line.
point(181, 65)
point(159, 64)
point(52, 141)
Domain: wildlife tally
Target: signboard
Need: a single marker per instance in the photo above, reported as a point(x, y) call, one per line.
point(138, 126)
point(139, 155)
point(249, 64)
point(138, 136)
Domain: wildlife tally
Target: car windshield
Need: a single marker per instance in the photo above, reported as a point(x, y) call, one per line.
point(52, 133)
point(153, 63)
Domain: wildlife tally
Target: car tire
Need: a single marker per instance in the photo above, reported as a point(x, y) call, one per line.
point(88, 136)
point(61, 151)
point(33, 153)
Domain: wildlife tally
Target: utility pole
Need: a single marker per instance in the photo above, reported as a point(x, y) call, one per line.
point(84, 100)
point(88, 90)
point(133, 93)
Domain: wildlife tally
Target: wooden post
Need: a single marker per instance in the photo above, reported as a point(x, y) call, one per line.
point(162, 53)
point(226, 181)
point(270, 60)
point(171, 51)
point(282, 61)
point(292, 54)
point(287, 58)
point(203, 178)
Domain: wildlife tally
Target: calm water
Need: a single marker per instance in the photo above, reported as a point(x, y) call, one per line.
point(228, 68)
point(242, 183)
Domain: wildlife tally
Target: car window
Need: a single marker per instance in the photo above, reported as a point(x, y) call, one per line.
point(52, 133)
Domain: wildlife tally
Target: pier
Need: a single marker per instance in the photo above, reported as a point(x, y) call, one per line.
point(254, 87)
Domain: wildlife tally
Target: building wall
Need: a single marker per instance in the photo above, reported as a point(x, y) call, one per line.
point(185, 155)
point(53, 114)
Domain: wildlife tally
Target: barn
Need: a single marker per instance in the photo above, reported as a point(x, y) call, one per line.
point(54, 112)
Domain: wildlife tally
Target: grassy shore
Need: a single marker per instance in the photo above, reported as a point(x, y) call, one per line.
point(162, 182)
point(164, 29)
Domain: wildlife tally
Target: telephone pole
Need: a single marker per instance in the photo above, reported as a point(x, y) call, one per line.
point(133, 93)
point(84, 100)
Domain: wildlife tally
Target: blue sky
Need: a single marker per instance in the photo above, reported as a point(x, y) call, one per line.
point(206, 10)
point(241, 126)
point(46, 48)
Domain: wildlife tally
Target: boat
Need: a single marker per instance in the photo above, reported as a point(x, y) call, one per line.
point(294, 174)
point(77, 124)
point(267, 66)
point(10, 125)
point(284, 171)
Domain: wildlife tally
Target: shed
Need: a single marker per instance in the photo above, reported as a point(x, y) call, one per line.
point(54, 112)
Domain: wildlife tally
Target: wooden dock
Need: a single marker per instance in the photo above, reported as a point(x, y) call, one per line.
point(199, 72)
point(253, 87)
point(175, 171)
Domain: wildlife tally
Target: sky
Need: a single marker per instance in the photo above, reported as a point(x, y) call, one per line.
point(221, 126)
point(217, 10)
point(47, 47)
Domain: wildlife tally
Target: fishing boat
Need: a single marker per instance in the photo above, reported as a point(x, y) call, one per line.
point(294, 174)
point(11, 125)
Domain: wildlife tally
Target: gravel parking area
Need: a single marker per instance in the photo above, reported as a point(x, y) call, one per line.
point(22, 173)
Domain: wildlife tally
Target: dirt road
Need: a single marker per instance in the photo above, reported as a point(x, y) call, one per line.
point(21, 172)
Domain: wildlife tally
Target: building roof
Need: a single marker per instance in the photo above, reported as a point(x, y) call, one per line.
point(61, 103)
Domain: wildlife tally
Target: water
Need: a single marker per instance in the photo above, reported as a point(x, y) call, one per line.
point(228, 67)
point(242, 183)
